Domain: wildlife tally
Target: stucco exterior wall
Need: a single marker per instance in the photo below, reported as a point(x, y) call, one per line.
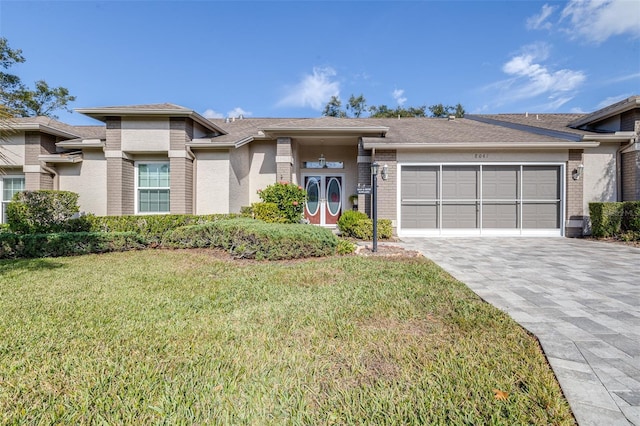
point(262, 169)
point(239, 178)
point(212, 177)
point(89, 180)
point(600, 174)
point(145, 135)
point(12, 151)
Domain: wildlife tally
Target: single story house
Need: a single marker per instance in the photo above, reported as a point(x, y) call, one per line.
point(502, 174)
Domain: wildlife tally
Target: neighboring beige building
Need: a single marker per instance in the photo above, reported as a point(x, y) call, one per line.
point(504, 174)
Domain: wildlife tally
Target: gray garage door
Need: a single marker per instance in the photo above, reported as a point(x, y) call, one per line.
point(481, 198)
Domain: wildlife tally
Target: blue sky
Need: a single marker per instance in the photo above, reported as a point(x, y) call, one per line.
point(286, 59)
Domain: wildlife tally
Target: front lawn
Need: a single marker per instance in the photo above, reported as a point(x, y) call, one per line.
point(186, 337)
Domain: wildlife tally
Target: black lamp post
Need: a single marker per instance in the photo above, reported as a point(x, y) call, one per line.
point(374, 202)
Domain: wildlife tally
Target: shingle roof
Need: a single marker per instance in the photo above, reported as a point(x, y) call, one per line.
point(460, 130)
point(554, 122)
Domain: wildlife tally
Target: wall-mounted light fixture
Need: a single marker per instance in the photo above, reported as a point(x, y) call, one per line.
point(322, 161)
point(384, 174)
point(577, 172)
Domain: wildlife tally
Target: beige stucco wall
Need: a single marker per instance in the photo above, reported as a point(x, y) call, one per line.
point(145, 135)
point(212, 172)
point(262, 168)
point(12, 151)
point(600, 174)
point(89, 180)
point(239, 178)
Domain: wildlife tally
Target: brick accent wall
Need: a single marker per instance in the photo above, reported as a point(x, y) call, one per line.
point(181, 197)
point(364, 178)
point(631, 176)
point(284, 168)
point(387, 190)
point(37, 143)
point(628, 120)
point(114, 134)
point(120, 186)
point(575, 194)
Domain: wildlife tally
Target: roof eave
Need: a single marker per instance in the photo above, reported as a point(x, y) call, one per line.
point(101, 114)
point(609, 111)
point(369, 144)
point(326, 131)
point(81, 144)
point(43, 128)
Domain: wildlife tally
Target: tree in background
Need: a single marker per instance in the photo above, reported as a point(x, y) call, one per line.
point(357, 106)
point(17, 99)
point(332, 108)
point(440, 110)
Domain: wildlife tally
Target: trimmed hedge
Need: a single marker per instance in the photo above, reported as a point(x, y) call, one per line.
point(14, 246)
point(152, 227)
point(253, 239)
point(357, 224)
point(614, 219)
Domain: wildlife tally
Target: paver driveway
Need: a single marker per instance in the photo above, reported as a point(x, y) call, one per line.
point(580, 298)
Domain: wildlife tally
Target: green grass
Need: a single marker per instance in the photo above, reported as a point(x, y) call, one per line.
point(184, 337)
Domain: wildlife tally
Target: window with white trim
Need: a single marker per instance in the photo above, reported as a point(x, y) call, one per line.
point(152, 187)
point(9, 186)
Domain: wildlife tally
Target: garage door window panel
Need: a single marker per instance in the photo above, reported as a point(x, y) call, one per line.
point(500, 197)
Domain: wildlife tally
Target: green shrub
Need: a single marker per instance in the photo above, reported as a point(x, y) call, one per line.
point(606, 219)
point(14, 245)
point(248, 238)
point(631, 216)
point(268, 212)
point(614, 219)
point(289, 198)
point(43, 211)
point(357, 224)
point(345, 247)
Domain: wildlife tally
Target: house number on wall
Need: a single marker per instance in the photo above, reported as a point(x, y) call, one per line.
point(480, 155)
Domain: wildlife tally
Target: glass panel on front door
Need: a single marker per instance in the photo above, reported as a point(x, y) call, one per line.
point(324, 199)
point(312, 208)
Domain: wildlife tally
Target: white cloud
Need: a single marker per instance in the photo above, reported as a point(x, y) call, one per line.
point(612, 100)
point(237, 112)
point(539, 21)
point(597, 20)
point(397, 95)
point(314, 90)
point(209, 113)
point(530, 78)
point(625, 78)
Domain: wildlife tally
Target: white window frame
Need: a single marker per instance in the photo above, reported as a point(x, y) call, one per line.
point(4, 202)
point(137, 188)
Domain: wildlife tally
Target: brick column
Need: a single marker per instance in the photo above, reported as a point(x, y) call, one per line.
point(574, 223)
point(387, 190)
point(631, 170)
point(284, 160)
point(181, 165)
point(35, 177)
point(120, 172)
point(364, 178)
